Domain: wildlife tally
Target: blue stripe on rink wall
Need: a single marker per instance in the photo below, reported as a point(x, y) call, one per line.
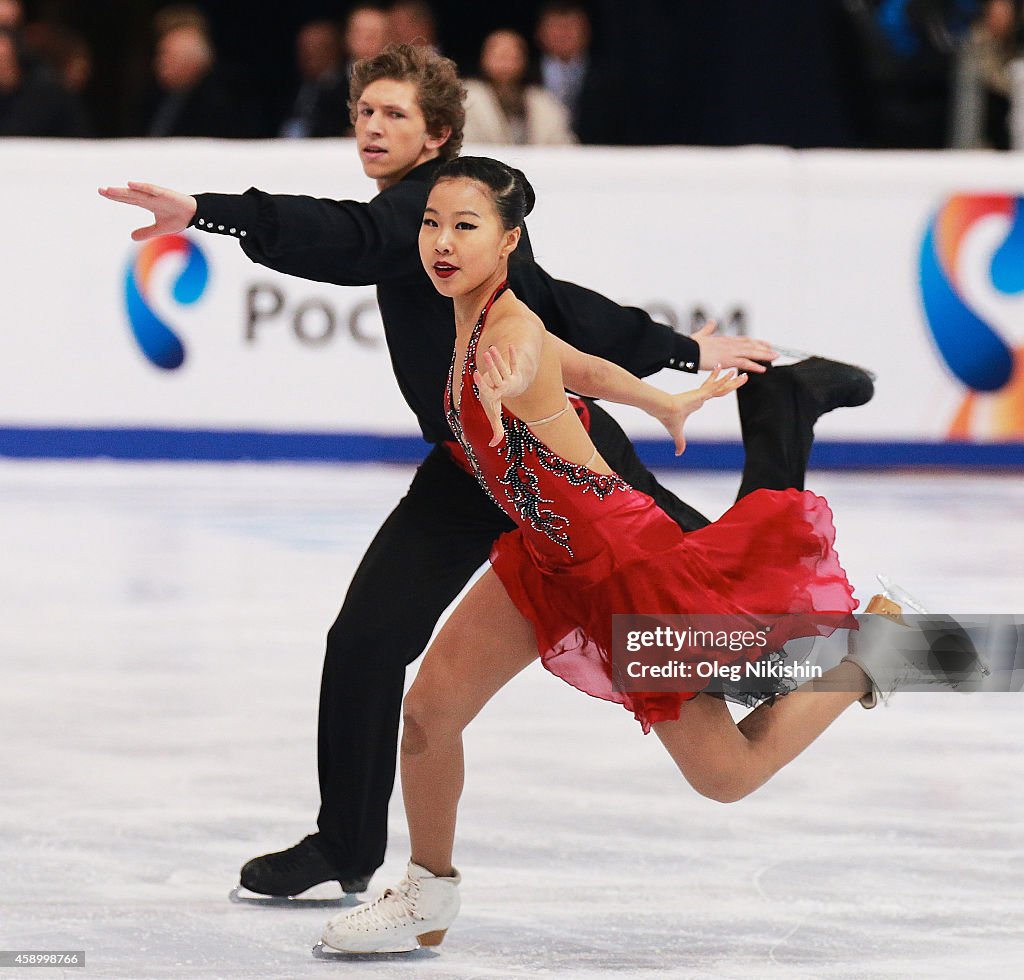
point(354, 447)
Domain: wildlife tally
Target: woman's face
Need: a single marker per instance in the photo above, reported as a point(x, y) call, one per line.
point(462, 241)
point(503, 59)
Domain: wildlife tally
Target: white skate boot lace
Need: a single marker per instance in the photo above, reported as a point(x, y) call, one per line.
point(393, 910)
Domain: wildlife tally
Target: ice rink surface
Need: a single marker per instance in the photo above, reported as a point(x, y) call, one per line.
point(161, 641)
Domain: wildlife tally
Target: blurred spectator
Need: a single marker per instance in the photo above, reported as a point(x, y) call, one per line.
point(320, 105)
point(367, 32)
point(64, 52)
point(910, 26)
point(988, 51)
point(65, 56)
point(563, 36)
point(191, 99)
point(502, 107)
point(72, 61)
point(12, 14)
point(910, 50)
point(412, 22)
point(32, 104)
point(178, 15)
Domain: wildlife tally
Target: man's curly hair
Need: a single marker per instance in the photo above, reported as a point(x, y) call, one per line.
point(440, 92)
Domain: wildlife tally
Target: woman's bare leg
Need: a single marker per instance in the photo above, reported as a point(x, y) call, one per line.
point(726, 761)
point(482, 646)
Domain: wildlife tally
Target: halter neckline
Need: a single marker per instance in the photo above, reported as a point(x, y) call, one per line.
point(470, 347)
point(502, 286)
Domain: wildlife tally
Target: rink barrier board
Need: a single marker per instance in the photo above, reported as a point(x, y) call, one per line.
point(908, 263)
point(207, 445)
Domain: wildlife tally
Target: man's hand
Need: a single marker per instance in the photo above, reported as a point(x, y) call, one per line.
point(171, 211)
point(741, 353)
point(500, 378)
point(683, 405)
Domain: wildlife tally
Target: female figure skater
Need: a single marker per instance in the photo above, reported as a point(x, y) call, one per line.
point(586, 545)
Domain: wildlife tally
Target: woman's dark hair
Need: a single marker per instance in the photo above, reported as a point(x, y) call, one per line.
point(513, 195)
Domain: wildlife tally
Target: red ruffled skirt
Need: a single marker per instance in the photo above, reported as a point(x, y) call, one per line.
point(772, 553)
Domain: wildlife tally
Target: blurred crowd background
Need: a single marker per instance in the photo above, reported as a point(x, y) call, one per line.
point(913, 74)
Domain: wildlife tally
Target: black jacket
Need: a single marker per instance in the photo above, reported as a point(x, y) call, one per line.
point(353, 244)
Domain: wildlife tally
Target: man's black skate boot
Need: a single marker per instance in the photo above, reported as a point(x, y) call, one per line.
point(277, 877)
point(829, 385)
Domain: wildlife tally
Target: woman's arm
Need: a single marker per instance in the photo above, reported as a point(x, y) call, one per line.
point(598, 378)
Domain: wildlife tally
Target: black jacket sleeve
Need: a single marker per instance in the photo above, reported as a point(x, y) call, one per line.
point(596, 325)
point(354, 244)
point(343, 242)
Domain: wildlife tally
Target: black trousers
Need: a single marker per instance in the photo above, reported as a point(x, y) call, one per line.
point(440, 533)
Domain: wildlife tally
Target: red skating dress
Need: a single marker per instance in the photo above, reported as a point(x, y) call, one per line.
point(588, 545)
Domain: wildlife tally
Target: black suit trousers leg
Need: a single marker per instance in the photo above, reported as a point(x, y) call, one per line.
point(778, 431)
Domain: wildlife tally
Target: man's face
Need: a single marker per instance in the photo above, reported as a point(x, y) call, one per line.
point(391, 133)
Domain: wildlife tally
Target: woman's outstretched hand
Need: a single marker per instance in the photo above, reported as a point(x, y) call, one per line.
point(683, 405)
point(500, 378)
point(171, 211)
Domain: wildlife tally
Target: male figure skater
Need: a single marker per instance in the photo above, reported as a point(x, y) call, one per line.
point(407, 106)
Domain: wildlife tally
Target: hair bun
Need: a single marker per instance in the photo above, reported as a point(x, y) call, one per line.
point(529, 196)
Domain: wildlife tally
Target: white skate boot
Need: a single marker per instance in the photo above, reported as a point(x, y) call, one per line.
point(416, 913)
point(919, 651)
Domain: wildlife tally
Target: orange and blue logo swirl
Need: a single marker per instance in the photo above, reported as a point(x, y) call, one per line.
point(155, 338)
point(972, 348)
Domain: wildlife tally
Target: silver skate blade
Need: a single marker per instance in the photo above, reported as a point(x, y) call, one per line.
point(900, 596)
point(803, 355)
point(321, 951)
point(797, 355)
point(241, 896)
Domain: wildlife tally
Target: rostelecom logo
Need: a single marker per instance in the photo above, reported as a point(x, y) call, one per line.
point(973, 350)
point(156, 339)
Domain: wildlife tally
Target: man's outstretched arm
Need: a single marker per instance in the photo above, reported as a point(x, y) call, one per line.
point(344, 242)
point(626, 335)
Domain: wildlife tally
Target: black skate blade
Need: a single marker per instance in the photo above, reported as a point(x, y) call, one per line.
point(241, 896)
point(321, 951)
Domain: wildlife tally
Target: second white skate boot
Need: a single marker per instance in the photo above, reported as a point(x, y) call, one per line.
point(915, 652)
point(416, 913)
